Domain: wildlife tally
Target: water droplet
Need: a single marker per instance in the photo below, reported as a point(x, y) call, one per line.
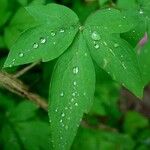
point(95, 36)
point(76, 104)
point(75, 70)
point(72, 100)
point(85, 54)
point(124, 17)
point(53, 33)
point(123, 65)
point(21, 54)
point(74, 94)
point(62, 94)
point(35, 45)
point(96, 46)
point(84, 93)
point(56, 110)
point(60, 121)
point(112, 52)
point(63, 115)
point(54, 43)
point(13, 60)
point(116, 45)
point(42, 40)
point(105, 63)
point(105, 43)
point(121, 56)
point(74, 83)
point(66, 108)
point(81, 28)
point(62, 30)
point(141, 11)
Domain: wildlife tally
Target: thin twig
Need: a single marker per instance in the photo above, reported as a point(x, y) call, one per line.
point(26, 69)
point(16, 86)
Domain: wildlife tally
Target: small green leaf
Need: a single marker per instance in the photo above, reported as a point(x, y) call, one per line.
point(71, 93)
point(4, 12)
point(141, 9)
point(20, 22)
point(112, 53)
point(134, 121)
point(22, 129)
point(111, 21)
point(92, 139)
point(57, 26)
point(145, 62)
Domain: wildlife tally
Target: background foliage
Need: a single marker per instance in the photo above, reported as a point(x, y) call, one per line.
point(117, 119)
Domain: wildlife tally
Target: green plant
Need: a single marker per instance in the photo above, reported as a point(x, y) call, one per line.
point(46, 32)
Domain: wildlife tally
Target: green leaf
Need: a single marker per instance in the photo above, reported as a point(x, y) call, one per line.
point(102, 2)
point(71, 93)
point(22, 131)
point(140, 8)
point(145, 62)
point(124, 4)
point(19, 23)
point(134, 121)
point(57, 26)
point(111, 21)
point(91, 139)
point(24, 111)
point(4, 12)
point(112, 53)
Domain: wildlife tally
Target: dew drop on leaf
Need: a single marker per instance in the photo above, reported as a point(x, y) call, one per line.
point(62, 30)
point(35, 45)
point(72, 100)
point(76, 104)
point(53, 33)
point(63, 115)
point(96, 46)
point(42, 40)
point(74, 94)
point(123, 65)
point(62, 94)
point(116, 45)
point(141, 11)
point(105, 43)
point(75, 70)
point(21, 54)
point(74, 83)
point(95, 36)
point(85, 54)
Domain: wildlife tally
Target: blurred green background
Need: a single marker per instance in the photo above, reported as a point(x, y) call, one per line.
point(117, 120)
